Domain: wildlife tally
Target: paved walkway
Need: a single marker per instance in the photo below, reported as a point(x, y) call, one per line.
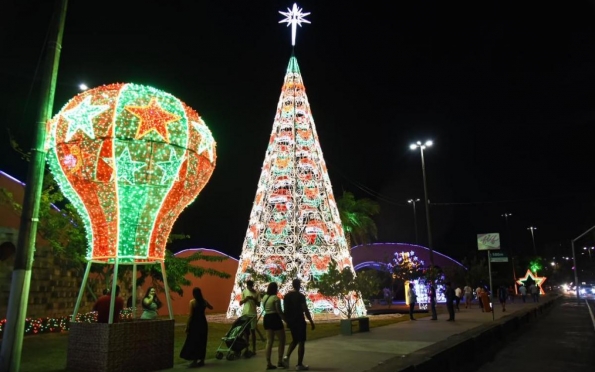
point(362, 351)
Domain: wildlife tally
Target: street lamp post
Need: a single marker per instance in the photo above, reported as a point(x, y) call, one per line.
point(588, 251)
point(506, 215)
point(412, 202)
point(421, 147)
point(532, 229)
point(578, 296)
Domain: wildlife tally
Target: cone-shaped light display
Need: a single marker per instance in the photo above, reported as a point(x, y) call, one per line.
point(294, 227)
point(130, 158)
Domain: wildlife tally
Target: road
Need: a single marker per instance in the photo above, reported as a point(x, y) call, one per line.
point(563, 340)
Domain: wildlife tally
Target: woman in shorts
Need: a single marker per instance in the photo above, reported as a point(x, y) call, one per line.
point(273, 324)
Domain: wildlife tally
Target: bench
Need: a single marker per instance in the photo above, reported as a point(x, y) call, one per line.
point(347, 325)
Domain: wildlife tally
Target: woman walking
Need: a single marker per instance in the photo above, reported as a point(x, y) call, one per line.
point(273, 324)
point(195, 347)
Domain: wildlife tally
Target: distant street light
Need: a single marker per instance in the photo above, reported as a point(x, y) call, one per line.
point(532, 229)
point(589, 251)
point(421, 147)
point(83, 86)
point(412, 202)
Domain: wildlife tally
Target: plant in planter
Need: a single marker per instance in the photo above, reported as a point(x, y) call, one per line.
point(344, 288)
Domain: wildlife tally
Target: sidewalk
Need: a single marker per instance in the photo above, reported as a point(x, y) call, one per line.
point(363, 351)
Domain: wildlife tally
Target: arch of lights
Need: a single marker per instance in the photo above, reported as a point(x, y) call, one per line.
point(420, 285)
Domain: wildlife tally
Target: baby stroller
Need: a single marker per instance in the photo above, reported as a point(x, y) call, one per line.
point(235, 340)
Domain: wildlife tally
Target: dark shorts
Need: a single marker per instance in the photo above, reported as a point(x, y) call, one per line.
point(298, 331)
point(273, 322)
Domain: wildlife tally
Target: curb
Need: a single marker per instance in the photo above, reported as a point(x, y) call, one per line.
point(468, 350)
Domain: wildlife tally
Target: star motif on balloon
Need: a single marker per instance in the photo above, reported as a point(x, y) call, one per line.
point(152, 118)
point(126, 167)
point(206, 139)
point(81, 118)
point(538, 280)
point(169, 167)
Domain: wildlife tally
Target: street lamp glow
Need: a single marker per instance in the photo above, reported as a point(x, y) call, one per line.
point(420, 145)
point(532, 229)
point(83, 86)
point(412, 201)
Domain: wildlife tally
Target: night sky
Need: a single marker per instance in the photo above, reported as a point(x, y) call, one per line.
point(506, 90)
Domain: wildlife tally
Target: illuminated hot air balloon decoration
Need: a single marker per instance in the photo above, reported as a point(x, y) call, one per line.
point(130, 158)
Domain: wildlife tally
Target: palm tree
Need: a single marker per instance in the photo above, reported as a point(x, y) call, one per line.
point(356, 216)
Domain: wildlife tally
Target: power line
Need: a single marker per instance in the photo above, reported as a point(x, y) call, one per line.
point(389, 200)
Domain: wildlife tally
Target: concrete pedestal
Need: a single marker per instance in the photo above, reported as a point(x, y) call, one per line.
point(142, 345)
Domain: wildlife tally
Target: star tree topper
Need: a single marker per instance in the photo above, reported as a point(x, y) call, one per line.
point(294, 17)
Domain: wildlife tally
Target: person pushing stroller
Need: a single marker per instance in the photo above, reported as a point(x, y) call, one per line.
point(251, 301)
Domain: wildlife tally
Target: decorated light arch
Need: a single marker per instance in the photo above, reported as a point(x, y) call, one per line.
point(130, 158)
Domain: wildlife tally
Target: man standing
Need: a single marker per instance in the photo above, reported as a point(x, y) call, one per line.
point(502, 294)
point(250, 300)
point(523, 292)
point(411, 299)
point(468, 295)
point(295, 307)
point(534, 292)
point(450, 297)
point(432, 295)
point(103, 304)
point(458, 295)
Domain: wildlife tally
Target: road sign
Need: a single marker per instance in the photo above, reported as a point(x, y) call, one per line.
point(498, 257)
point(487, 242)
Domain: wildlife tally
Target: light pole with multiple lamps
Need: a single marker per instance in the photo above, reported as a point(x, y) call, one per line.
point(422, 147)
point(532, 229)
point(412, 202)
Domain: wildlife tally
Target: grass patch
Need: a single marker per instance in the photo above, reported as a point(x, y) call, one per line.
point(47, 352)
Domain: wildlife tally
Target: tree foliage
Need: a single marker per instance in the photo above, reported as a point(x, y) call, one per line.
point(346, 287)
point(477, 271)
point(404, 267)
point(356, 217)
point(61, 227)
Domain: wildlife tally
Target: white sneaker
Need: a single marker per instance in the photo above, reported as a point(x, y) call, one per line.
point(302, 367)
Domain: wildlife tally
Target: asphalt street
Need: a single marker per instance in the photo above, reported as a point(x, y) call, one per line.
point(563, 340)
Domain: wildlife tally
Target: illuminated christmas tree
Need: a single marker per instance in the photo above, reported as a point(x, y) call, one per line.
point(294, 228)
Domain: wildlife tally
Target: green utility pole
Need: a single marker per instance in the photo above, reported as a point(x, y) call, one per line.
point(12, 340)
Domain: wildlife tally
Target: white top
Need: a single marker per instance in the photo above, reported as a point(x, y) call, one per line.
point(458, 292)
point(468, 290)
point(269, 304)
